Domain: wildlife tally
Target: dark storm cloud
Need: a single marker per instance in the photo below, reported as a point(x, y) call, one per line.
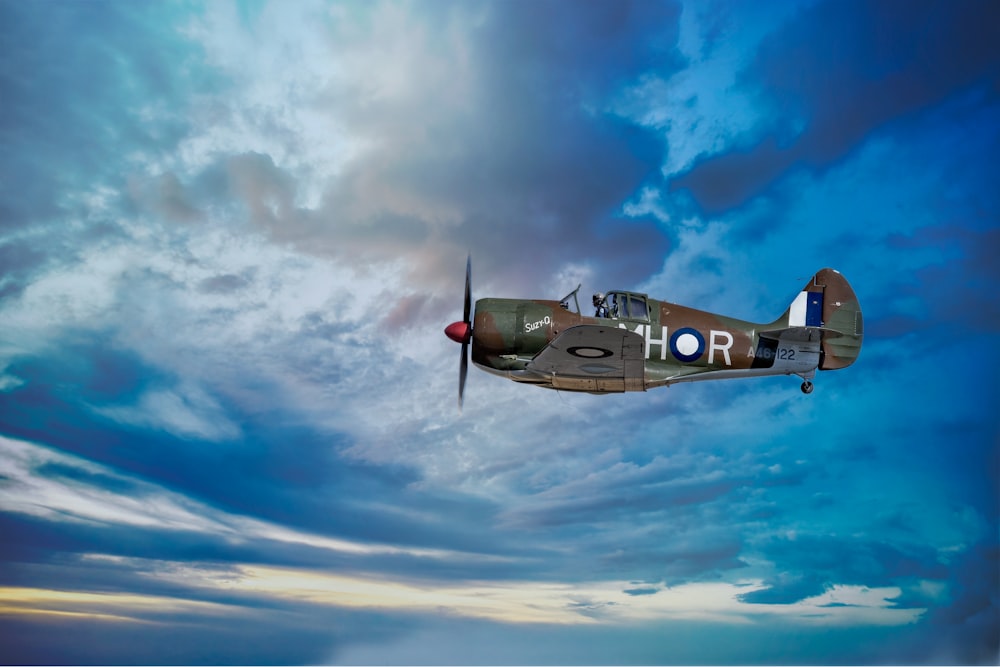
point(844, 69)
point(59, 543)
point(809, 565)
point(525, 168)
point(188, 636)
point(133, 556)
point(224, 284)
point(965, 628)
point(968, 302)
point(587, 503)
point(75, 79)
point(18, 261)
point(677, 558)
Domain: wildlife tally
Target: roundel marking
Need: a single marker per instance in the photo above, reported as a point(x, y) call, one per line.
point(590, 352)
point(687, 344)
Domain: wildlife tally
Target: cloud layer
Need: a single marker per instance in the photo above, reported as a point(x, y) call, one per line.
point(230, 236)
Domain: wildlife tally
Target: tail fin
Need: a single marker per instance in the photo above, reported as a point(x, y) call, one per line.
point(828, 304)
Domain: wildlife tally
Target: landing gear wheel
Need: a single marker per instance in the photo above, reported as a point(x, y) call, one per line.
point(807, 387)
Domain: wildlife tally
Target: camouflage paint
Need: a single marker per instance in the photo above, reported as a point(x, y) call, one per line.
point(822, 329)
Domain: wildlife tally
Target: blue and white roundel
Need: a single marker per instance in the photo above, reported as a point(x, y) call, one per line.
point(687, 344)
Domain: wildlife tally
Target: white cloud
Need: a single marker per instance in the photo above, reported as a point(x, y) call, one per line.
point(26, 489)
point(83, 491)
point(188, 412)
point(705, 108)
point(278, 64)
point(524, 602)
point(9, 382)
point(701, 269)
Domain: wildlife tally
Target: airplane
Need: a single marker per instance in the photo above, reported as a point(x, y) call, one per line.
point(635, 343)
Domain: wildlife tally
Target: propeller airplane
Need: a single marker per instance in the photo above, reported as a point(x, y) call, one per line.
point(635, 343)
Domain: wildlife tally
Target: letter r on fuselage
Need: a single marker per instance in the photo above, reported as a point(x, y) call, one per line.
point(723, 347)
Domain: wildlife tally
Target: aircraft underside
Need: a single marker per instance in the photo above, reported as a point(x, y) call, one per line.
point(595, 385)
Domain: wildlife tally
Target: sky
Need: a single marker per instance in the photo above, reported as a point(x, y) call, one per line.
point(232, 233)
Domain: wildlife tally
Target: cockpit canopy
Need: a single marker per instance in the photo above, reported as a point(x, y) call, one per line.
point(625, 306)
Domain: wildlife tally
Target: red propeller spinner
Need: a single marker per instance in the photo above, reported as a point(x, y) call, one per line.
point(460, 332)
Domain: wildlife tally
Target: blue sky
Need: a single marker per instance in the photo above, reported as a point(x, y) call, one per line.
point(231, 235)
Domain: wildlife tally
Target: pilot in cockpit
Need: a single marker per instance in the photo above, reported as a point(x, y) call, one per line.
point(601, 305)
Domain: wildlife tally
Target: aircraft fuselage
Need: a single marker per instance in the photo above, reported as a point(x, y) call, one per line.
point(672, 343)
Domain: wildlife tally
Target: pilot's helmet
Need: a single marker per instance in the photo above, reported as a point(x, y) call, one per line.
point(598, 299)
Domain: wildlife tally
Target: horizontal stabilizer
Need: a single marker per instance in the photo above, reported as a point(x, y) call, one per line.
point(801, 334)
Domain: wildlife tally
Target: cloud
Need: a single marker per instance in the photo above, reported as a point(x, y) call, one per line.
point(510, 602)
point(227, 260)
point(661, 483)
point(44, 483)
point(453, 138)
point(836, 72)
point(809, 563)
point(188, 413)
point(40, 482)
point(65, 131)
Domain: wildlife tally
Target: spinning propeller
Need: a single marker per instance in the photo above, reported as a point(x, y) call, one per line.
point(461, 332)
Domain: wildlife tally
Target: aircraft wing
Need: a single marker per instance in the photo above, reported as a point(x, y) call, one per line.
point(593, 358)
